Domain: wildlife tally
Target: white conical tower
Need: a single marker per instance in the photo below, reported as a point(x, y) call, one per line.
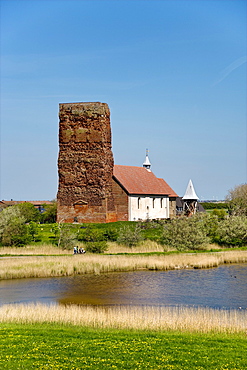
point(147, 163)
point(190, 192)
point(190, 200)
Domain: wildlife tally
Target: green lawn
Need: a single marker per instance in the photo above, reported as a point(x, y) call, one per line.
point(48, 346)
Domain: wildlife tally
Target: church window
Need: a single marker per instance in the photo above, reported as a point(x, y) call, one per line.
point(138, 202)
point(153, 202)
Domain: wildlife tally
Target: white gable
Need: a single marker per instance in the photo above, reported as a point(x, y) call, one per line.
point(190, 192)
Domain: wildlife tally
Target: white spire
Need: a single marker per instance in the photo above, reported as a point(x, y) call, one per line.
point(147, 163)
point(190, 192)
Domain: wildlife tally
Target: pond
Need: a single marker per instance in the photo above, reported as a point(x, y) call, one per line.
point(224, 287)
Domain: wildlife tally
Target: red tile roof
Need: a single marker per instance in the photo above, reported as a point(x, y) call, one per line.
point(138, 180)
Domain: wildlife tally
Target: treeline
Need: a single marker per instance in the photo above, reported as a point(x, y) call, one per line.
point(23, 224)
point(214, 205)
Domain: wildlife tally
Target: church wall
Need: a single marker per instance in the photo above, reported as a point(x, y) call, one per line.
point(121, 201)
point(148, 207)
point(172, 207)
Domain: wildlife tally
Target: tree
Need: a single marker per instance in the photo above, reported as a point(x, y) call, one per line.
point(67, 238)
point(129, 236)
point(95, 240)
point(237, 198)
point(185, 233)
point(28, 211)
point(13, 229)
point(232, 231)
point(49, 216)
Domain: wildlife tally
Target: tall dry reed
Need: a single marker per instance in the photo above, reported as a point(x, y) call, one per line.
point(42, 249)
point(130, 317)
point(45, 266)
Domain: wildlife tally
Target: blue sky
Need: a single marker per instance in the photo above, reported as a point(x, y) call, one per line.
point(172, 72)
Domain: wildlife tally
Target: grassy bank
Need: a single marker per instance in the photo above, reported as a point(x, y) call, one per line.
point(184, 319)
point(46, 346)
point(47, 266)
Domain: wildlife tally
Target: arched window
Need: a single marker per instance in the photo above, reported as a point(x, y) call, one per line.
point(153, 202)
point(161, 202)
point(138, 202)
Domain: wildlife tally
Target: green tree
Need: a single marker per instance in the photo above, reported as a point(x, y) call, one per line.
point(67, 237)
point(237, 198)
point(33, 231)
point(13, 229)
point(49, 215)
point(94, 239)
point(28, 211)
point(232, 231)
point(185, 233)
point(130, 236)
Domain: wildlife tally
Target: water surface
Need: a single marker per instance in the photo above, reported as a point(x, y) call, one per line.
point(222, 287)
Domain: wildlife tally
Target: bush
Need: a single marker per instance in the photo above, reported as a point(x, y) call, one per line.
point(185, 233)
point(129, 236)
point(33, 231)
point(13, 230)
point(111, 234)
point(15, 233)
point(94, 239)
point(237, 198)
point(49, 215)
point(232, 231)
point(28, 211)
point(96, 247)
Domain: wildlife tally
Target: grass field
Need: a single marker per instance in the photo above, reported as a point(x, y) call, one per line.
point(46, 346)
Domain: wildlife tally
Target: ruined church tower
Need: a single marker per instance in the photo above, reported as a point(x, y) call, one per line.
point(85, 164)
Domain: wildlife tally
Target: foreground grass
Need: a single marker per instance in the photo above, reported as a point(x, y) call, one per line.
point(48, 266)
point(200, 319)
point(46, 346)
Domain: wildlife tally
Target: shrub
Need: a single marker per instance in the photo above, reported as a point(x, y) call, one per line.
point(111, 234)
point(28, 211)
point(94, 239)
point(96, 247)
point(185, 233)
point(33, 231)
point(232, 231)
point(13, 230)
point(237, 198)
point(129, 236)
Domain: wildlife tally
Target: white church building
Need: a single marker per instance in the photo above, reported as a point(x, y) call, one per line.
point(140, 195)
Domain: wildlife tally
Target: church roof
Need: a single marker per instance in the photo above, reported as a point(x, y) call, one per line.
point(138, 180)
point(190, 192)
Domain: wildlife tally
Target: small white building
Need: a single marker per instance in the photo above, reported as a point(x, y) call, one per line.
point(190, 200)
point(140, 195)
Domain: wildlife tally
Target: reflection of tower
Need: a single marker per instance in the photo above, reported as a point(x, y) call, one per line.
point(190, 200)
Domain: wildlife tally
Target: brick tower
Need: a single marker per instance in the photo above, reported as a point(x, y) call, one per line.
point(85, 164)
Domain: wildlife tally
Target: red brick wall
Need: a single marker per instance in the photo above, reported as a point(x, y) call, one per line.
point(120, 200)
point(85, 163)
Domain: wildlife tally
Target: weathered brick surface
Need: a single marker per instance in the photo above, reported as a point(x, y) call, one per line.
point(85, 164)
point(120, 200)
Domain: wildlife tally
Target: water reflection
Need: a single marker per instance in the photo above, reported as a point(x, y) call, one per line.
point(222, 287)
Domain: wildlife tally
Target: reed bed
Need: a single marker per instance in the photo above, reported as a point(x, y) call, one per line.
point(48, 266)
point(184, 319)
point(147, 246)
point(44, 249)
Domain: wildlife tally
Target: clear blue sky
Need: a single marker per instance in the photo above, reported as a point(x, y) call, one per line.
point(172, 72)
